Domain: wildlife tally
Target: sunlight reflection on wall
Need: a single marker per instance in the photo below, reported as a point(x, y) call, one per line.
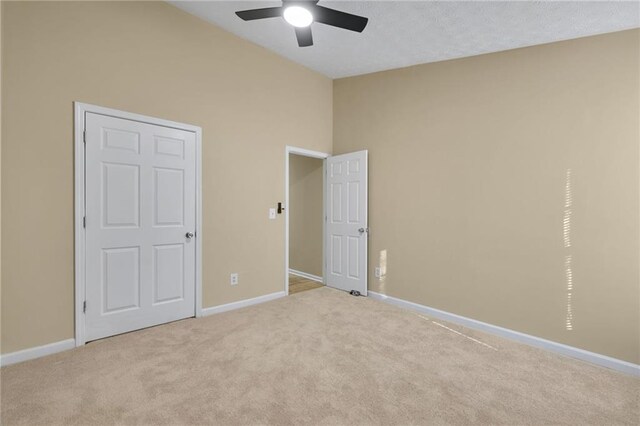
point(566, 232)
point(383, 270)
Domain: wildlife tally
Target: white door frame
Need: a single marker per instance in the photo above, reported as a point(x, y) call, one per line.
point(81, 109)
point(305, 153)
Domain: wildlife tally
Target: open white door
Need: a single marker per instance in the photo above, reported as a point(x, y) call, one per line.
point(346, 230)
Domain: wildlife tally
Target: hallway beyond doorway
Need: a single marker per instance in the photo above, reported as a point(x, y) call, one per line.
point(298, 284)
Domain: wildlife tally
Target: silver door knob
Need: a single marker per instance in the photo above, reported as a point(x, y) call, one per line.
point(363, 230)
point(189, 235)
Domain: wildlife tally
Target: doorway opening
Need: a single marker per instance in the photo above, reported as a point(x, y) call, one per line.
point(304, 213)
point(343, 216)
point(305, 223)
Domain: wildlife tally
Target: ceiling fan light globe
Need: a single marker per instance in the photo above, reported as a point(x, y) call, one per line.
point(298, 16)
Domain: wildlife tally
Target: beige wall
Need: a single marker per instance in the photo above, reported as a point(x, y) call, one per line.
point(305, 214)
point(152, 59)
point(468, 184)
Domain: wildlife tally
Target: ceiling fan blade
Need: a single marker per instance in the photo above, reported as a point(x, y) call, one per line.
point(339, 19)
point(267, 12)
point(304, 36)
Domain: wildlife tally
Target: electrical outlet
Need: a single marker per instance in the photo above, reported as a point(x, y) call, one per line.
point(272, 213)
point(377, 272)
point(234, 279)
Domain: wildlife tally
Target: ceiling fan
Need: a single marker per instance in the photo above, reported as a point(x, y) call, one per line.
point(302, 13)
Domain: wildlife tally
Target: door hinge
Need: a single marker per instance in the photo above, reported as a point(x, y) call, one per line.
point(84, 136)
point(84, 307)
point(84, 221)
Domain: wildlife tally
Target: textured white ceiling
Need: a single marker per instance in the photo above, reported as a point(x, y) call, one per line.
point(404, 33)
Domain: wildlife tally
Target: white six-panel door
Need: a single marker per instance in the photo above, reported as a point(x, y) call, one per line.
point(140, 213)
point(346, 222)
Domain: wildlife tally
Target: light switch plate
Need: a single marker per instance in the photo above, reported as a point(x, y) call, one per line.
point(272, 213)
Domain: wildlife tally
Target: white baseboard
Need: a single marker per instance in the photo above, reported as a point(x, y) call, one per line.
point(37, 352)
point(242, 303)
point(52, 348)
point(592, 357)
point(305, 275)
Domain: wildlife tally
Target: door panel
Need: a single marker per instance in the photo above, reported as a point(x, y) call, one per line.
point(346, 217)
point(169, 197)
point(121, 195)
point(140, 204)
point(168, 272)
point(120, 279)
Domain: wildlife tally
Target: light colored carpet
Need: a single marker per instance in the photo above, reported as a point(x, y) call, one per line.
point(317, 357)
point(298, 284)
